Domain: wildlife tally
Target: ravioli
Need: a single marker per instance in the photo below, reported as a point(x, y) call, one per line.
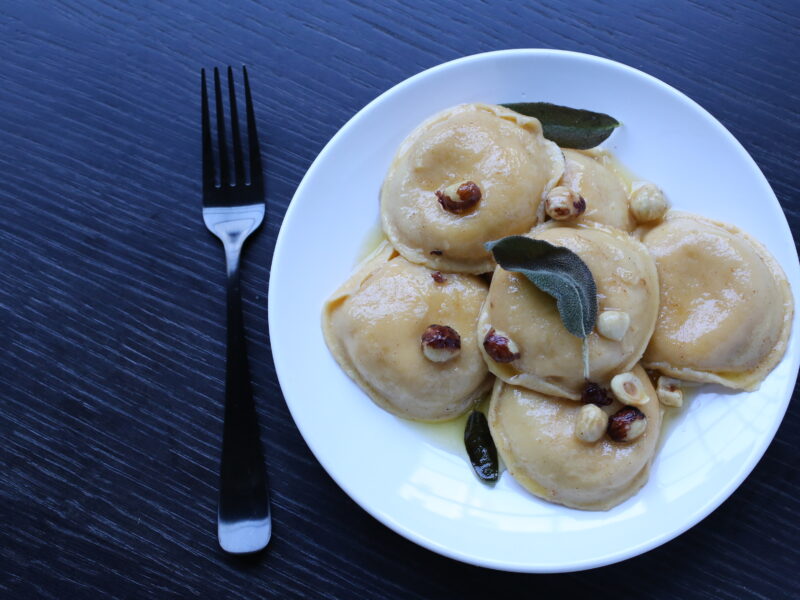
point(726, 306)
point(550, 358)
point(604, 192)
point(535, 437)
point(424, 336)
point(373, 326)
point(499, 150)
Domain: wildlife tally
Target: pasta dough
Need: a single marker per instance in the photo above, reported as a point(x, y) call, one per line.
point(726, 307)
point(501, 151)
point(373, 326)
point(550, 357)
point(604, 192)
point(535, 437)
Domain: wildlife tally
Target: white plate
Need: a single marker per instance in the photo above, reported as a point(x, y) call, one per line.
point(420, 485)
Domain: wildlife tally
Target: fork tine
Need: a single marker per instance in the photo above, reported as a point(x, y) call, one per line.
point(224, 175)
point(208, 152)
point(252, 136)
point(238, 159)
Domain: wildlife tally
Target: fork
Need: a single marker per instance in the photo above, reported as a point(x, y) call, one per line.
point(232, 209)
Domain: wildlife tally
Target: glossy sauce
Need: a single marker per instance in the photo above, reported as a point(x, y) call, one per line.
point(607, 159)
point(449, 435)
point(372, 239)
point(674, 415)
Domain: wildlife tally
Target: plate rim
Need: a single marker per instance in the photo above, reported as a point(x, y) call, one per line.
point(712, 502)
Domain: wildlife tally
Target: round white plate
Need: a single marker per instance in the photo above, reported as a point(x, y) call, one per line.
point(420, 484)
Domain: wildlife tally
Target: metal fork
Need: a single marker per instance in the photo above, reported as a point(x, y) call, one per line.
point(232, 210)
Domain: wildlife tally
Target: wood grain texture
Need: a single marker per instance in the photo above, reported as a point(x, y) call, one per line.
point(113, 305)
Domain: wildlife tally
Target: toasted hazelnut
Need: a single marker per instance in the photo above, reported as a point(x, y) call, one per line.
point(626, 424)
point(500, 347)
point(562, 203)
point(648, 203)
point(613, 324)
point(629, 390)
point(459, 197)
point(591, 424)
point(595, 394)
point(440, 343)
point(669, 392)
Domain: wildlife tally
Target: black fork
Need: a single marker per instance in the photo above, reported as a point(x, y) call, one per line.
point(233, 208)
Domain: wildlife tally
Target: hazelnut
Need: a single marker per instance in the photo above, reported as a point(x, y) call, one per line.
point(595, 394)
point(629, 390)
point(562, 203)
point(669, 392)
point(613, 324)
point(591, 423)
point(440, 343)
point(648, 203)
point(626, 424)
point(500, 347)
point(459, 197)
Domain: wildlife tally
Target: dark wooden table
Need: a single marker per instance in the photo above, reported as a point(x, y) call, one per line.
point(113, 306)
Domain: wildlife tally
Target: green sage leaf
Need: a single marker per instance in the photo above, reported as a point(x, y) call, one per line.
point(480, 447)
point(555, 270)
point(568, 127)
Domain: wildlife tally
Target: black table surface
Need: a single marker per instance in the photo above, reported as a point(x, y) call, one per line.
point(113, 303)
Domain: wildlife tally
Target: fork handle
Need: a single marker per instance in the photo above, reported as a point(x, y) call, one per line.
point(244, 523)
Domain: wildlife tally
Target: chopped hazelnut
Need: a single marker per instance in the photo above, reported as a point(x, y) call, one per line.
point(626, 424)
point(629, 390)
point(669, 392)
point(648, 203)
point(591, 424)
point(595, 394)
point(440, 343)
point(613, 324)
point(459, 197)
point(563, 203)
point(500, 347)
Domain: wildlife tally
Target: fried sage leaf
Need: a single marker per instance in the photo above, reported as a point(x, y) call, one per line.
point(568, 127)
point(480, 447)
point(557, 271)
